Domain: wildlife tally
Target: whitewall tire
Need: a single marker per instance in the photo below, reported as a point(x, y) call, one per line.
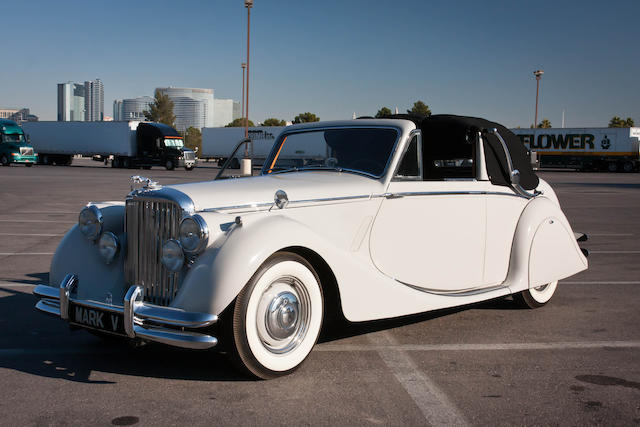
point(277, 316)
point(536, 297)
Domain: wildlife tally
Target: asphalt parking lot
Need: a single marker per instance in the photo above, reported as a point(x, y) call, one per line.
point(575, 361)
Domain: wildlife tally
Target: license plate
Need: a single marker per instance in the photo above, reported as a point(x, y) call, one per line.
point(102, 320)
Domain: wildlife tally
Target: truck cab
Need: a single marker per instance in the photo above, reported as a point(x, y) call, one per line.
point(160, 144)
point(14, 147)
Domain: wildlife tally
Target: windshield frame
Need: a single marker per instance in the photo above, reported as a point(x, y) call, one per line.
point(276, 147)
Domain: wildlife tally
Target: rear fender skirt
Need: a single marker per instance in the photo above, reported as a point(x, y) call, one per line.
point(544, 248)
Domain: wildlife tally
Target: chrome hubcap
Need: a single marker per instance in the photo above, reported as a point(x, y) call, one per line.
point(282, 316)
point(284, 311)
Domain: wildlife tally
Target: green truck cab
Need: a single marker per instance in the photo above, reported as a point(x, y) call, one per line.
point(14, 147)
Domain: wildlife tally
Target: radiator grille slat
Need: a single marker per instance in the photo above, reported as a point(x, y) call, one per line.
point(149, 224)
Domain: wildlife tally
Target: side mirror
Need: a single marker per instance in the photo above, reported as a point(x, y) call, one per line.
point(515, 177)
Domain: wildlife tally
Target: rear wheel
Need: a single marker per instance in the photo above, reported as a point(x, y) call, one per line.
point(628, 166)
point(277, 317)
point(4, 160)
point(536, 297)
point(612, 166)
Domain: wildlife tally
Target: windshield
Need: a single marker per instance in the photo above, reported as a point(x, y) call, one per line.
point(173, 142)
point(13, 137)
point(364, 150)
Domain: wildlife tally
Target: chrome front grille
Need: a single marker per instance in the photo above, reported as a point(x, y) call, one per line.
point(149, 223)
point(26, 151)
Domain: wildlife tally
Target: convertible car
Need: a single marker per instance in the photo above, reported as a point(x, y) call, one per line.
point(372, 219)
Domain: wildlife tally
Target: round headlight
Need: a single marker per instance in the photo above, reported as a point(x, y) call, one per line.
point(172, 255)
point(90, 222)
point(108, 246)
point(194, 234)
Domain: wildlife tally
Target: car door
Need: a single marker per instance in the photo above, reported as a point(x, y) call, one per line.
point(430, 230)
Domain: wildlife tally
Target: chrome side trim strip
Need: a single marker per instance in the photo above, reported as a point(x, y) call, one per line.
point(458, 293)
point(444, 193)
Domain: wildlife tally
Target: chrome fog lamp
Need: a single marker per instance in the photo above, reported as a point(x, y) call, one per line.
point(108, 246)
point(193, 234)
point(90, 222)
point(172, 255)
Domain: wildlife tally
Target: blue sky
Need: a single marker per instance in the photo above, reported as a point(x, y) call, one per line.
point(334, 58)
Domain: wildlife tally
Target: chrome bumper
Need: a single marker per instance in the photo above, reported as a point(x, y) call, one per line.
point(141, 320)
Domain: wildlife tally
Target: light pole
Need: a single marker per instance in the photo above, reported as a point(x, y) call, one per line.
point(246, 162)
point(538, 74)
point(244, 66)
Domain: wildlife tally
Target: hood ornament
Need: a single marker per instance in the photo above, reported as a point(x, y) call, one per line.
point(147, 183)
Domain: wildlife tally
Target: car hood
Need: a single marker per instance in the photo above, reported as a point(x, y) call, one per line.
point(299, 186)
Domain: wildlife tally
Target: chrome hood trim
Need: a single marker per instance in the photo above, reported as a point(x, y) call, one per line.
point(166, 193)
point(257, 193)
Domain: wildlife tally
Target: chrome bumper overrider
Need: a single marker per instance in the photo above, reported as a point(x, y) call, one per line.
point(141, 320)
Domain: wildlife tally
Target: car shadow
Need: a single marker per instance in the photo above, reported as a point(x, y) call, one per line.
point(339, 328)
point(36, 279)
point(37, 344)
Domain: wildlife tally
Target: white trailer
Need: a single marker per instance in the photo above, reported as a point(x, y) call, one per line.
point(130, 144)
point(219, 143)
point(612, 149)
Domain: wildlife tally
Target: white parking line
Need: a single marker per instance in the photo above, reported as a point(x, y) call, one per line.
point(434, 404)
point(37, 220)
point(30, 235)
point(603, 282)
point(614, 252)
point(389, 347)
point(15, 284)
point(24, 253)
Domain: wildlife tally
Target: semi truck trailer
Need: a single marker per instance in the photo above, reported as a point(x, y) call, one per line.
point(14, 147)
point(612, 149)
point(219, 144)
point(131, 144)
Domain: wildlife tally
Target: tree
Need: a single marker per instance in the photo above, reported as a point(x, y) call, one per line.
point(617, 122)
point(193, 139)
point(161, 110)
point(274, 122)
point(544, 124)
point(306, 118)
point(238, 123)
point(383, 112)
point(420, 108)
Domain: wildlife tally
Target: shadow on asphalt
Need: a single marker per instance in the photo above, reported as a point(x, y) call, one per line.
point(38, 278)
point(37, 344)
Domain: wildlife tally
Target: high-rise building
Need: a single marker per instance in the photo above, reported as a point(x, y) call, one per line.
point(132, 108)
point(191, 106)
point(18, 115)
point(71, 102)
point(236, 110)
point(93, 101)
point(223, 112)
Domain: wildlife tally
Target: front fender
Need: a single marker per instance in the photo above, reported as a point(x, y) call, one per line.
point(544, 248)
point(75, 254)
point(220, 273)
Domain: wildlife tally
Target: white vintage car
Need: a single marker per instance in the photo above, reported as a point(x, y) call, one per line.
point(376, 218)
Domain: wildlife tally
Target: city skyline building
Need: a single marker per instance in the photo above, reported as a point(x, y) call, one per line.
point(18, 115)
point(71, 102)
point(131, 108)
point(94, 101)
point(193, 107)
point(225, 111)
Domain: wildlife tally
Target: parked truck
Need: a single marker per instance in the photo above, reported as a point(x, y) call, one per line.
point(612, 149)
point(130, 144)
point(219, 143)
point(14, 147)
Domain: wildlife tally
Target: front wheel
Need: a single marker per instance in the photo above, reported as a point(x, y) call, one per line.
point(169, 165)
point(536, 297)
point(4, 160)
point(277, 317)
point(28, 164)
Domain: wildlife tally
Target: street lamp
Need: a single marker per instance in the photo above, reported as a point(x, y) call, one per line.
point(246, 162)
point(538, 74)
point(244, 66)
